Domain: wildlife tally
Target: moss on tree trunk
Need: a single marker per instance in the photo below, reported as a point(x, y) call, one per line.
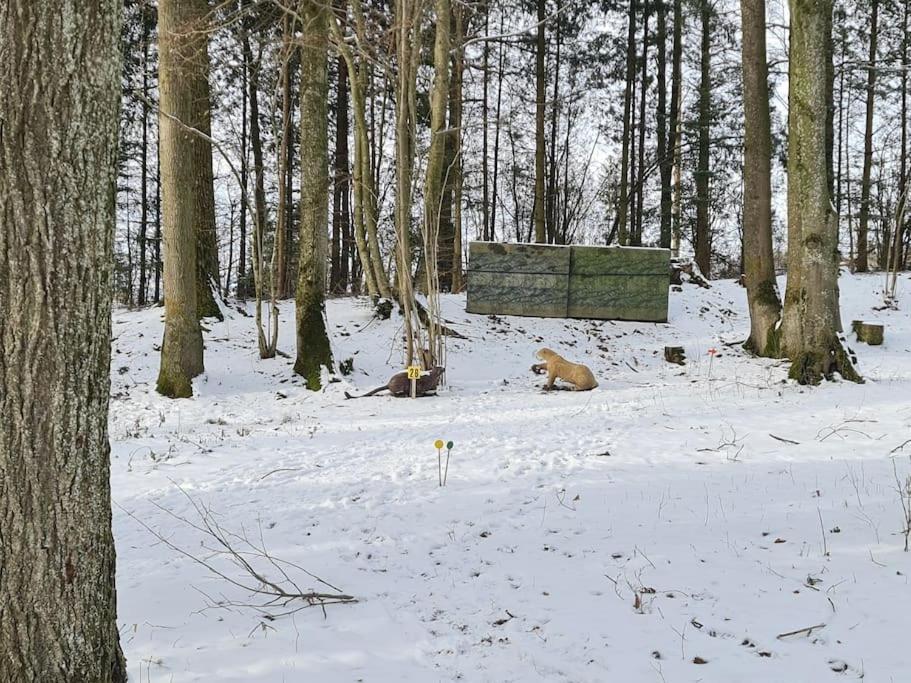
point(313, 350)
point(186, 167)
point(759, 265)
point(809, 331)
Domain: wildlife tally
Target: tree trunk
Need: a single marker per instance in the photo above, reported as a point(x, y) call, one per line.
point(631, 180)
point(455, 122)
point(759, 264)
point(674, 128)
point(184, 157)
point(485, 118)
point(636, 240)
point(436, 155)
point(196, 72)
point(243, 289)
point(266, 349)
point(144, 158)
point(280, 244)
point(552, 174)
point(540, 82)
point(861, 262)
point(158, 219)
point(407, 20)
point(665, 158)
point(59, 106)
point(830, 149)
point(623, 208)
point(898, 257)
point(809, 328)
point(841, 120)
point(226, 290)
point(492, 234)
point(338, 272)
point(366, 206)
point(702, 241)
point(313, 350)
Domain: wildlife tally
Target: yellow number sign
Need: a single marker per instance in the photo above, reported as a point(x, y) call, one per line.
point(414, 372)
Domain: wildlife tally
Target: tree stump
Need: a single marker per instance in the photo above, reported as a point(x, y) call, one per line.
point(675, 354)
point(869, 333)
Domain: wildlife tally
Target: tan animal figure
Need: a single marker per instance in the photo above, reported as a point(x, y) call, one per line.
point(558, 367)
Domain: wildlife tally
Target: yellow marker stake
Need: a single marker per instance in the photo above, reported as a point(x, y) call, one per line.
point(414, 373)
point(438, 444)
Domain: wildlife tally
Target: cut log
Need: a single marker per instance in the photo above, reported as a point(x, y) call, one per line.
point(869, 333)
point(675, 354)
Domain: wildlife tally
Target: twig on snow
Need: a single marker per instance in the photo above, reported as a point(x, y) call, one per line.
point(801, 631)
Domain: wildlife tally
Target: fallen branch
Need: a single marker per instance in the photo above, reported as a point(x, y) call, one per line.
point(808, 630)
point(783, 440)
point(271, 597)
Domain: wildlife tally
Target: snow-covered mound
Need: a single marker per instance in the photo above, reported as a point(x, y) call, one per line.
point(675, 524)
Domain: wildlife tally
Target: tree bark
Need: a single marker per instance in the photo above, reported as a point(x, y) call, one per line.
point(702, 241)
point(243, 288)
point(674, 127)
point(366, 206)
point(196, 73)
point(623, 208)
point(809, 328)
point(665, 157)
point(485, 118)
point(313, 350)
point(266, 349)
point(455, 122)
point(552, 174)
point(59, 108)
point(280, 245)
point(338, 277)
point(436, 155)
point(759, 264)
point(158, 219)
point(636, 240)
point(540, 83)
point(492, 234)
point(144, 158)
point(184, 156)
point(861, 262)
point(898, 257)
point(407, 21)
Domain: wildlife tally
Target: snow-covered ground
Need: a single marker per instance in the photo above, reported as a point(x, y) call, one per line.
point(654, 529)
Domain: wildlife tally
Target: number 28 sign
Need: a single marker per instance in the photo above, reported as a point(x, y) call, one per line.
point(414, 372)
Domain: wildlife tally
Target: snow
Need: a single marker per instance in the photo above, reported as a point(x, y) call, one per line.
point(622, 534)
